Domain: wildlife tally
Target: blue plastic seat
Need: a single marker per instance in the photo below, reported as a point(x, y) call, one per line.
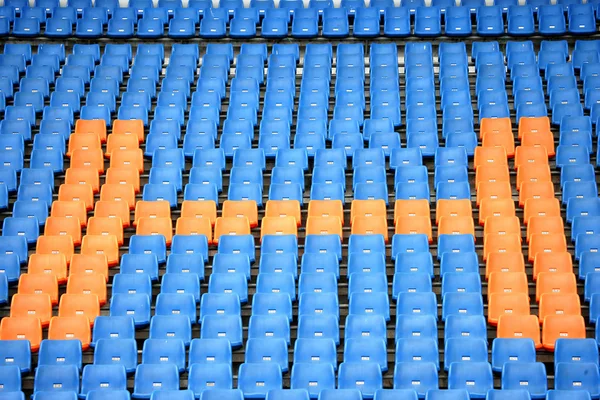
point(231, 244)
point(209, 351)
point(113, 328)
point(24, 226)
point(272, 304)
point(461, 282)
point(178, 304)
point(564, 394)
point(15, 353)
point(528, 375)
point(249, 376)
point(577, 377)
point(60, 352)
point(418, 348)
point(116, 352)
point(319, 327)
point(318, 304)
point(409, 244)
point(13, 245)
point(518, 394)
point(141, 264)
point(323, 244)
point(370, 304)
point(309, 379)
point(475, 377)
point(229, 283)
point(265, 326)
point(105, 377)
point(366, 263)
point(587, 264)
point(136, 306)
point(458, 303)
point(464, 350)
point(150, 376)
point(222, 394)
point(267, 350)
point(180, 283)
point(576, 351)
point(318, 263)
point(149, 244)
point(11, 378)
point(164, 351)
point(408, 282)
point(420, 377)
point(208, 377)
point(364, 376)
point(472, 326)
point(410, 326)
point(582, 207)
point(51, 378)
point(455, 244)
point(276, 283)
point(232, 263)
point(219, 304)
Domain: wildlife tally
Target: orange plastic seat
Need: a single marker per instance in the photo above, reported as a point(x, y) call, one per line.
point(541, 208)
point(127, 158)
point(76, 192)
point(240, 209)
point(48, 264)
point(70, 209)
point(230, 226)
point(194, 226)
point(508, 282)
point(156, 226)
point(504, 262)
point(120, 142)
point(278, 226)
point(554, 282)
point(33, 306)
point(494, 125)
point(22, 328)
point(79, 305)
point(82, 176)
point(519, 327)
point(90, 264)
point(88, 159)
point(494, 243)
point(412, 208)
point(323, 225)
point(98, 244)
point(533, 173)
point(200, 209)
point(64, 226)
point(545, 226)
point(489, 156)
point(88, 284)
point(106, 226)
point(503, 226)
point(93, 126)
point(414, 225)
point(529, 155)
point(503, 139)
point(452, 208)
point(56, 245)
point(491, 208)
point(71, 328)
point(507, 304)
point(494, 191)
point(543, 139)
point(378, 226)
point(456, 226)
point(151, 209)
point(326, 208)
point(559, 262)
point(535, 190)
point(562, 327)
point(113, 209)
point(559, 304)
point(83, 142)
point(124, 176)
point(39, 284)
point(551, 243)
point(118, 192)
point(133, 127)
point(367, 208)
point(283, 208)
point(533, 125)
point(492, 173)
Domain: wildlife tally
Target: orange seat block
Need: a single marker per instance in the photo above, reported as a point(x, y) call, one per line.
point(452, 208)
point(133, 127)
point(533, 125)
point(533, 173)
point(88, 159)
point(508, 282)
point(117, 192)
point(124, 176)
point(507, 304)
point(76, 192)
point(127, 158)
point(33, 306)
point(56, 245)
point(555, 282)
point(230, 226)
point(378, 226)
point(79, 305)
point(48, 264)
point(367, 208)
point(22, 328)
point(194, 226)
point(39, 284)
point(83, 142)
point(89, 264)
point(200, 209)
point(551, 243)
point(535, 190)
point(88, 284)
point(562, 327)
point(489, 156)
point(502, 226)
point(326, 208)
point(156, 226)
point(240, 209)
point(113, 209)
point(71, 328)
point(519, 327)
point(71, 209)
point(493, 191)
point(456, 226)
point(545, 226)
point(494, 126)
point(552, 262)
point(151, 209)
point(411, 208)
point(414, 225)
point(503, 139)
point(283, 208)
point(94, 126)
point(82, 176)
point(63, 226)
point(541, 208)
point(121, 142)
point(559, 304)
point(492, 173)
point(529, 155)
point(278, 226)
point(504, 262)
point(99, 244)
point(540, 139)
point(323, 225)
point(106, 226)
point(492, 208)
point(494, 243)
